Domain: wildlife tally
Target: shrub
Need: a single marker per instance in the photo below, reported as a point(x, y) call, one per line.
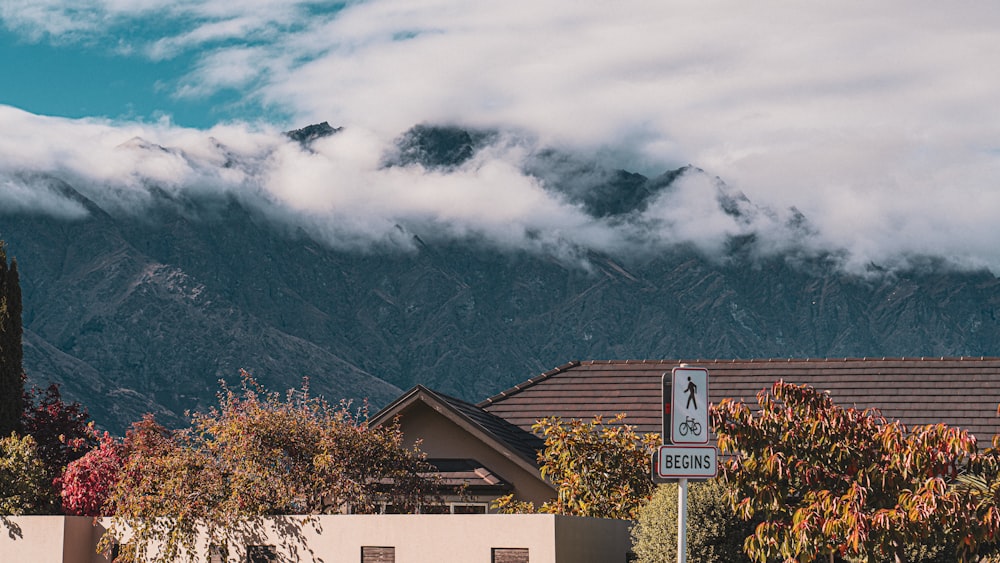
point(715, 534)
point(600, 469)
point(24, 484)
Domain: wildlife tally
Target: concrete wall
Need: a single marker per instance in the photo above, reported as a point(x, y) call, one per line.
point(591, 539)
point(55, 539)
point(429, 538)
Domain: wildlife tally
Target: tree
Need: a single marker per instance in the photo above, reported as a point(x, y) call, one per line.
point(256, 454)
point(11, 354)
point(24, 485)
point(86, 484)
point(828, 480)
point(62, 431)
point(599, 469)
point(715, 534)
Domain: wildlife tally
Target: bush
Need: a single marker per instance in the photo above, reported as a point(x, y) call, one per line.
point(714, 533)
point(24, 484)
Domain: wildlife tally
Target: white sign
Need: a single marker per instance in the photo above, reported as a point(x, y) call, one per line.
point(689, 409)
point(688, 462)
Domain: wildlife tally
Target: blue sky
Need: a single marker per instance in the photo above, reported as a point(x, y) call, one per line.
point(878, 121)
point(105, 65)
point(90, 81)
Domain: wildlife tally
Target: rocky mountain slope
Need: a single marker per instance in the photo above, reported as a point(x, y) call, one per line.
point(145, 314)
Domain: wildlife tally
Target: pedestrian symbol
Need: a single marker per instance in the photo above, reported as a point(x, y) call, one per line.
point(691, 390)
point(689, 411)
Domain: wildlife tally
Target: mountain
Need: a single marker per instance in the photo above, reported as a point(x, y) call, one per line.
point(145, 313)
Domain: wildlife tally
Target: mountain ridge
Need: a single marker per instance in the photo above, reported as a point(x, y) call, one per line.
point(147, 312)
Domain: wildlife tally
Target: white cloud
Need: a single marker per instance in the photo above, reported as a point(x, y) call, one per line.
point(28, 194)
point(878, 121)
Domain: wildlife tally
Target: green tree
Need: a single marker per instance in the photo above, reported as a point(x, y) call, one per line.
point(11, 360)
point(599, 469)
point(256, 454)
point(826, 480)
point(24, 483)
point(715, 534)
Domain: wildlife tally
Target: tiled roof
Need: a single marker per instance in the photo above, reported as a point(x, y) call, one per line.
point(961, 392)
point(519, 439)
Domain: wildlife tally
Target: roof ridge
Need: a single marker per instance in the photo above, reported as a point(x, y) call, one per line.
point(521, 386)
point(791, 359)
point(719, 361)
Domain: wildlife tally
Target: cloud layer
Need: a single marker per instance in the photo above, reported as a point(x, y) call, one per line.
point(878, 122)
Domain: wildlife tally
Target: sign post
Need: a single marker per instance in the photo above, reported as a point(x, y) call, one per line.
point(685, 454)
point(682, 515)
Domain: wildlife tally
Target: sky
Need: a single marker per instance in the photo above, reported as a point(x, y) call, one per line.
point(879, 122)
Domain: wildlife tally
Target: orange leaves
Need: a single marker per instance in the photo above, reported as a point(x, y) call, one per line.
point(256, 454)
point(833, 479)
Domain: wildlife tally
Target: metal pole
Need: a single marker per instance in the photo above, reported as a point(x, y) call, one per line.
point(682, 514)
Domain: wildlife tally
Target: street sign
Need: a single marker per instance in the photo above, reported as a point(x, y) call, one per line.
point(689, 408)
point(685, 412)
point(686, 462)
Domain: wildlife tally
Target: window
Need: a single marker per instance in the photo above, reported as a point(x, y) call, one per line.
point(454, 508)
point(469, 508)
point(261, 554)
point(510, 555)
point(371, 554)
point(116, 550)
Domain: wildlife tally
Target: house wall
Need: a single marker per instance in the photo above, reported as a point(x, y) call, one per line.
point(441, 438)
point(426, 538)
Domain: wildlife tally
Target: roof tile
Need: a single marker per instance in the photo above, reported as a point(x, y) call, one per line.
point(960, 391)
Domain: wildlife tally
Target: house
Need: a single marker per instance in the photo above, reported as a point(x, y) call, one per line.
point(486, 450)
point(495, 434)
point(490, 456)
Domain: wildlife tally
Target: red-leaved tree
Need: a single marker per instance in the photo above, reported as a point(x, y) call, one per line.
point(88, 481)
point(62, 431)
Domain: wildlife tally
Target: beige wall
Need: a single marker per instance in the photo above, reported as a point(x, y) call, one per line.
point(428, 538)
point(44, 539)
point(442, 438)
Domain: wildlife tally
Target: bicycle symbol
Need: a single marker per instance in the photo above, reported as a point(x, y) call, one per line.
point(690, 425)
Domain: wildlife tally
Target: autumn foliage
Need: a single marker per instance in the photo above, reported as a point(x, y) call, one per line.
point(256, 454)
point(830, 480)
point(62, 429)
point(87, 481)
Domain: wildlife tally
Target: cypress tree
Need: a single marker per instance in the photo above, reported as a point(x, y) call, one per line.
point(11, 354)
